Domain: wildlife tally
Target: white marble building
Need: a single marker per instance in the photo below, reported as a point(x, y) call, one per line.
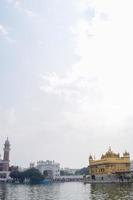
point(52, 168)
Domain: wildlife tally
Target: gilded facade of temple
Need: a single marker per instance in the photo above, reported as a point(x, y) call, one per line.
point(110, 163)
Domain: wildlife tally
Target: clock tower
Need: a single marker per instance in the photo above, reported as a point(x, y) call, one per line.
point(6, 155)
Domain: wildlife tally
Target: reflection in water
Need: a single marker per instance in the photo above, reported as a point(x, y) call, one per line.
point(66, 191)
point(3, 191)
point(111, 191)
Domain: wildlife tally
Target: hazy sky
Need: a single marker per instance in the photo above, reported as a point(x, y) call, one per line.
point(66, 79)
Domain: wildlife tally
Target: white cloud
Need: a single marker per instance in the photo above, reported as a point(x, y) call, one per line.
point(90, 105)
point(71, 87)
point(5, 34)
point(19, 4)
point(30, 13)
point(104, 45)
point(108, 53)
point(3, 30)
point(16, 3)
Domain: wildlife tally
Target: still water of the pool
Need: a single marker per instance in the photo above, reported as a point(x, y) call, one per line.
point(67, 191)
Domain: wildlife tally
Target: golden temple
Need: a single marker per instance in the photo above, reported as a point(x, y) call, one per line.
point(110, 163)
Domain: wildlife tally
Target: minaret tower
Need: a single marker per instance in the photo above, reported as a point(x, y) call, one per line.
point(6, 155)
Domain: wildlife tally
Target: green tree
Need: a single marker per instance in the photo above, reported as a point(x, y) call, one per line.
point(82, 171)
point(33, 175)
point(45, 173)
point(17, 176)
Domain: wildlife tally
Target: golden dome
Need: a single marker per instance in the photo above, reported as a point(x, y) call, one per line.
point(90, 157)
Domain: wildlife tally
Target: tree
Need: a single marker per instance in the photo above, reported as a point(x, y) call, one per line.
point(15, 175)
point(82, 171)
point(33, 175)
point(45, 173)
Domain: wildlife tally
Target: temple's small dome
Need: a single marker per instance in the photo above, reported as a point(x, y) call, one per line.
point(125, 153)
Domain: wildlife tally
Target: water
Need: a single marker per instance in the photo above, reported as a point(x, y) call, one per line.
point(66, 191)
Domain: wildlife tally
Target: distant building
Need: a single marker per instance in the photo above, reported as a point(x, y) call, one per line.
point(69, 170)
point(4, 163)
point(109, 163)
point(52, 168)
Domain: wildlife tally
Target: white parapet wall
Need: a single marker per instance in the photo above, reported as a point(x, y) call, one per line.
point(70, 178)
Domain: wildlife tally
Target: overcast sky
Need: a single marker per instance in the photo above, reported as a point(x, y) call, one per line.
point(66, 79)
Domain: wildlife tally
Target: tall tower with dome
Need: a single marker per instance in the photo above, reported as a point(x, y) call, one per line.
point(4, 162)
point(6, 155)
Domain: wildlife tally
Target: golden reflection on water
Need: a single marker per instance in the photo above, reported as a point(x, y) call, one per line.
point(111, 191)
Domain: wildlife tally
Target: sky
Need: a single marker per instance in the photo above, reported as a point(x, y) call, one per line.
point(66, 71)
